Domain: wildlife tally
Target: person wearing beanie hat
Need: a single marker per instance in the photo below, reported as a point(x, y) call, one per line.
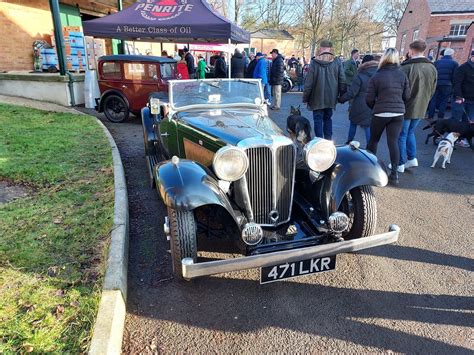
point(359, 113)
point(325, 82)
point(260, 72)
point(463, 109)
point(445, 66)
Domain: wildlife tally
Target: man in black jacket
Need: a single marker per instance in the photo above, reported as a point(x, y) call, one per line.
point(188, 57)
point(464, 91)
point(237, 65)
point(220, 70)
point(276, 78)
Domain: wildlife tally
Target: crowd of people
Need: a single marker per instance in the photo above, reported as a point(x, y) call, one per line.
point(384, 94)
point(388, 95)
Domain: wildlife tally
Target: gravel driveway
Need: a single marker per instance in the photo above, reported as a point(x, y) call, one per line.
point(415, 296)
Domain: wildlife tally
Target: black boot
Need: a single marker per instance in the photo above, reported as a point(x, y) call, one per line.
point(393, 177)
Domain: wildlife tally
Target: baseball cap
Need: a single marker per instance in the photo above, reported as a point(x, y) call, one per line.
point(259, 54)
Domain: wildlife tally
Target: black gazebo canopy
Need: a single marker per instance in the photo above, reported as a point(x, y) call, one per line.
point(182, 21)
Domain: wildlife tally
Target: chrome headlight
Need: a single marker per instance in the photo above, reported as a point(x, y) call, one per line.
point(230, 163)
point(319, 154)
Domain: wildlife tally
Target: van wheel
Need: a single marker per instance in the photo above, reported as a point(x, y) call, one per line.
point(116, 109)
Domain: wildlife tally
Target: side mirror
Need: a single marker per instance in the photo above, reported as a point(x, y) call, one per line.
point(155, 77)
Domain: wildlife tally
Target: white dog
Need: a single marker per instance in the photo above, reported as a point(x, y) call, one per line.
point(445, 149)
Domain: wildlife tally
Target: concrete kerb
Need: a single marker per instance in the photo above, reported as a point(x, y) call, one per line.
point(110, 322)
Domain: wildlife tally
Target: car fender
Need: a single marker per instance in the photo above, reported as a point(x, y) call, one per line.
point(149, 135)
point(112, 92)
point(352, 168)
point(185, 185)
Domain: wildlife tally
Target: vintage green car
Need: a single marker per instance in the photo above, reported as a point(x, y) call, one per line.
point(220, 163)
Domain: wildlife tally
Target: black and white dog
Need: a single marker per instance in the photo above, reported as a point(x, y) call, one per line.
point(445, 149)
point(442, 126)
point(298, 126)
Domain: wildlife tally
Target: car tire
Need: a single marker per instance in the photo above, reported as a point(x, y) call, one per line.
point(286, 86)
point(183, 238)
point(116, 109)
point(360, 205)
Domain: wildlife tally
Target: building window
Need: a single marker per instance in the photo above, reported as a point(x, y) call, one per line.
point(402, 44)
point(458, 30)
point(416, 33)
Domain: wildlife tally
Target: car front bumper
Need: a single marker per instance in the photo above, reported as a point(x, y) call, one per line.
point(192, 270)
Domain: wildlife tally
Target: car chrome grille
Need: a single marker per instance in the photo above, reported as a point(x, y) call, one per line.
point(270, 183)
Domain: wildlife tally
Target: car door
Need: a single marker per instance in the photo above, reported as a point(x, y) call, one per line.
point(140, 79)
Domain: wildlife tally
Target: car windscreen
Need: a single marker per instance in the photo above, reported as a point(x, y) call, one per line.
point(218, 91)
point(168, 71)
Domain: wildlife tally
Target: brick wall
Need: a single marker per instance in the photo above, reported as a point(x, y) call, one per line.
point(24, 21)
point(439, 27)
point(468, 44)
point(416, 17)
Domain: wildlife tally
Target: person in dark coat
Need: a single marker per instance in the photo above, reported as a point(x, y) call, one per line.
point(463, 109)
point(324, 83)
point(446, 66)
point(188, 57)
point(277, 71)
point(251, 67)
point(220, 68)
point(360, 114)
point(387, 92)
point(237, 65)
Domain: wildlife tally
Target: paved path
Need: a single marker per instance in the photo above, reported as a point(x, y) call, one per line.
point(411, 297)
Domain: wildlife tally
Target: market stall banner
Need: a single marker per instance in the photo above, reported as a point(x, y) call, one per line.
point(167, 20)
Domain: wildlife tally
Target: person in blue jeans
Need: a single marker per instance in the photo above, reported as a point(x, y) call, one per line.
point(421, 73)
point(260, 72)
point(359, 113)
point(446, 66)
point(324, 83)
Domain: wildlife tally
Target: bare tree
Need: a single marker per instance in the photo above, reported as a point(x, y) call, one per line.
point(312, 20)
point(393, 14)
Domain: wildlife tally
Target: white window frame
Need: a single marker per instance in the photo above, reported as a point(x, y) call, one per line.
point(458, 30)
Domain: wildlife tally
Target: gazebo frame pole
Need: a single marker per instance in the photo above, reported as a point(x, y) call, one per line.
point(229, 58)
point(121, 44)
point(58, 35)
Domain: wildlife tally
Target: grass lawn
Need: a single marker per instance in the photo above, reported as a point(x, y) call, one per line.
point(53, 242)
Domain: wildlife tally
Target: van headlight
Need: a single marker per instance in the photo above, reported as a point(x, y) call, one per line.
point(319, 154)
point(230, 163)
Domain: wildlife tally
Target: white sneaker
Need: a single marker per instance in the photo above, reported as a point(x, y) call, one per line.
point(411, 163)
point(463, 143)
point(400, 168)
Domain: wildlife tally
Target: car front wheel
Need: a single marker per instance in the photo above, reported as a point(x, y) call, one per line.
point(116, 109)
point(360, 205)
point(183, 238)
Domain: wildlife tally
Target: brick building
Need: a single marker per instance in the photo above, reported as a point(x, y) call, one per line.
point(24, 21)
point(442, 23)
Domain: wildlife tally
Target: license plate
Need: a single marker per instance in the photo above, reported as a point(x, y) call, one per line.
point(297, 268)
